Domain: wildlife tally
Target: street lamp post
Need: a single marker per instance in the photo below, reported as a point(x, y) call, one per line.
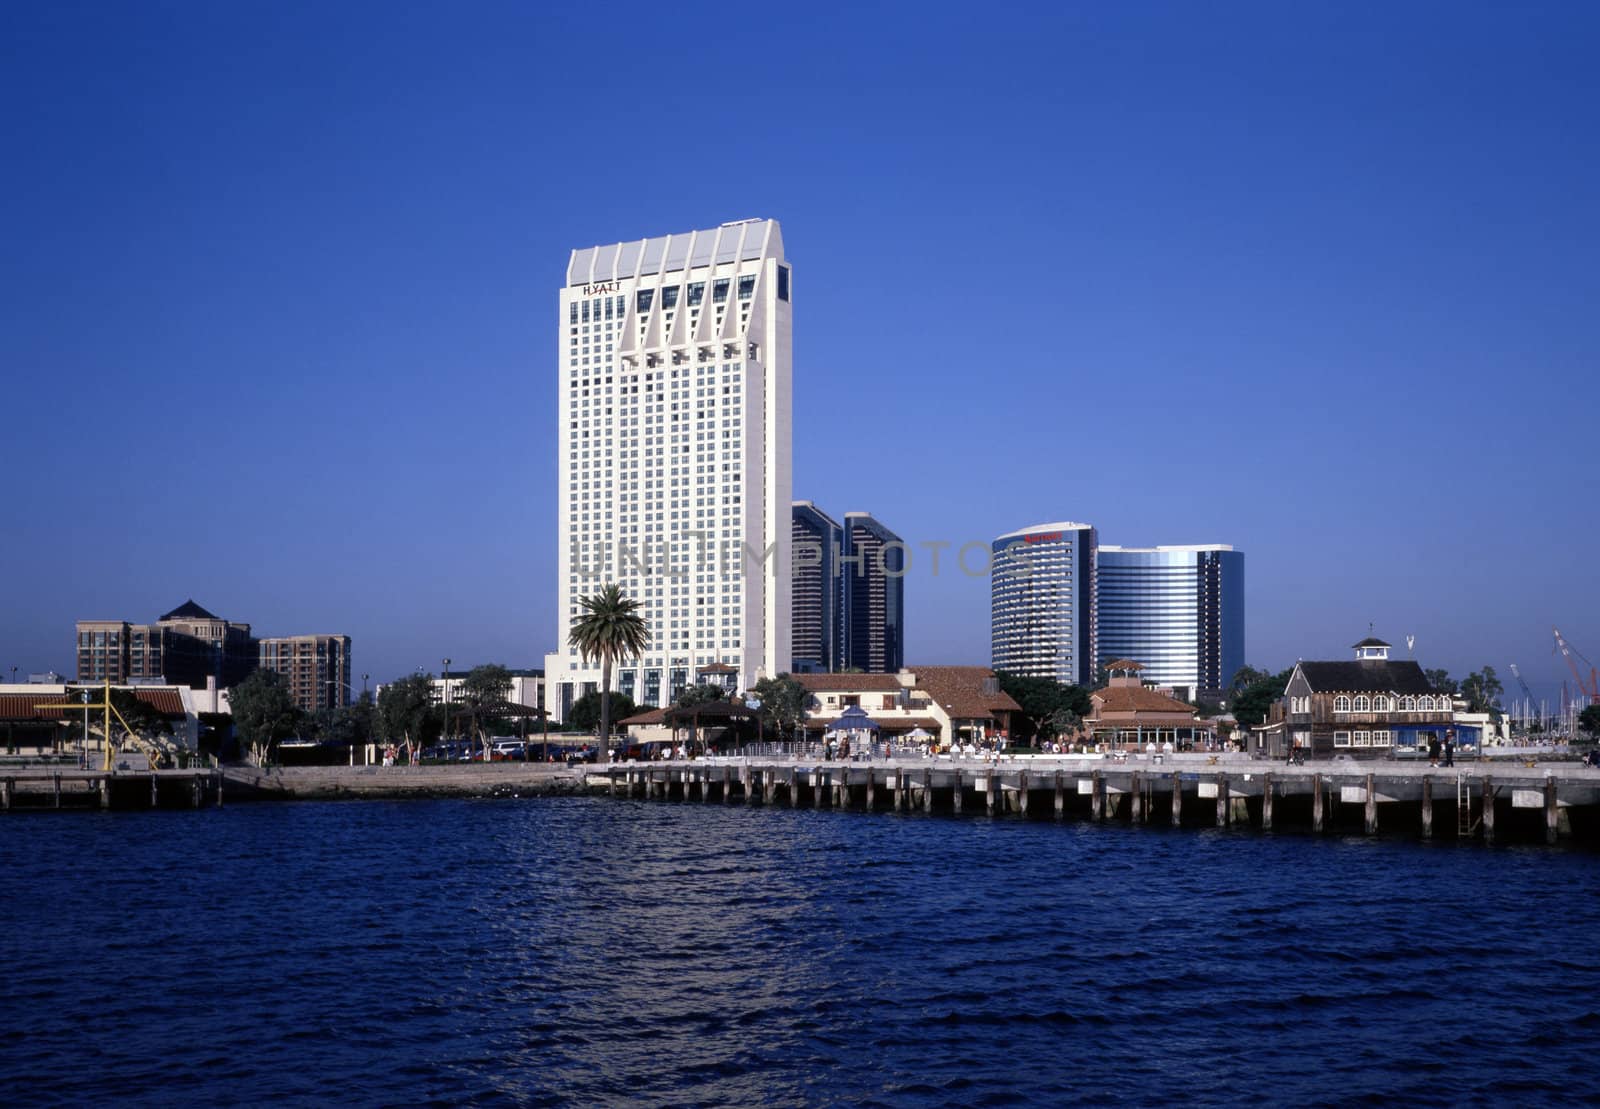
point(445, 678)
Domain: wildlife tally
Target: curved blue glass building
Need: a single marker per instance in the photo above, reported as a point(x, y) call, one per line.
point(1177, 610)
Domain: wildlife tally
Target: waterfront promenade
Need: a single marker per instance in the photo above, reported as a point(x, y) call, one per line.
point(1520, 799)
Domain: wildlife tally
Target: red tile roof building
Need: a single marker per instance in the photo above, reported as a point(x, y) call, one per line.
point(1127, 713)
point(955, 703)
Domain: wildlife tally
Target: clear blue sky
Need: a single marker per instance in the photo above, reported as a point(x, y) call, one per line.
point(278, 300)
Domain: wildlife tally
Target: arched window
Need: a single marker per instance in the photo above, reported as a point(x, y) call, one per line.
point(1380, 703)
point(1425, 703)
point(1408, 704)
point(1341, 703)
point(1363, 704)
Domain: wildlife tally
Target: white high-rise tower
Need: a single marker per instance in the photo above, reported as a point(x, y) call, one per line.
point(674, 456)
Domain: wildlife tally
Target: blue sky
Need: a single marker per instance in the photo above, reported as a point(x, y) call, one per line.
point(278, 300)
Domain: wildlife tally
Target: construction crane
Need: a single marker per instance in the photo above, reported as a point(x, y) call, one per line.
point(1589, 691)
point(1526, 692)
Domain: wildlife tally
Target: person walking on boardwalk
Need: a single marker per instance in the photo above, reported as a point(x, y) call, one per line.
point(1450, 748)
point(1433, 749)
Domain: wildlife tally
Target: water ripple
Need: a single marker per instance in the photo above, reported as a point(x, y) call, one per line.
point(576, 951)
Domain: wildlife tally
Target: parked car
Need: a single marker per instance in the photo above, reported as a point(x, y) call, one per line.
point(507, 750)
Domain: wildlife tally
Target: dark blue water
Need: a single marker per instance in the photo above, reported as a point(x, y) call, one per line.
point(582, 952)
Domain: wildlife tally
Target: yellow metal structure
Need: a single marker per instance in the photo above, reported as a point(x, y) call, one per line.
point(109, 709)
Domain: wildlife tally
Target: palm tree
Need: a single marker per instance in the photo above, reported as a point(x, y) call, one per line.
point(610, 630)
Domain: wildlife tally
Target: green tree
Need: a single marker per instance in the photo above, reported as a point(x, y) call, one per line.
point(139, 715)
point(698, 695)
point(586, 712)
point(150, 730)
point(609, 630)
point(407, 715)
point(1589, 721)
point(483, 696)
point(1482, 689)
point(263, 713)
point(348, 726)
point(1049, 707)
point(1245, 677)
point(783, 703)
point(1441, 681)
point(1252, 704)
point(323, 725)
point(1063, 721)
point(360, 720)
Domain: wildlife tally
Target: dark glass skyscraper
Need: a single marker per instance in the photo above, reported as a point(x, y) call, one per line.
point(873, 570)
point(817, 591)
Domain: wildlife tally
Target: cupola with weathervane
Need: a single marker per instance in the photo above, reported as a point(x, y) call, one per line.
point(1372, 649)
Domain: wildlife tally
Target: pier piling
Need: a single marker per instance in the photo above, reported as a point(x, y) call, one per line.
point(1371, 822)
point(1552, 811)
point(1427, 807)
point(1488, 809)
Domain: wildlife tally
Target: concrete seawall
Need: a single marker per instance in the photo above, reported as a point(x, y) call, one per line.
point(329, 783)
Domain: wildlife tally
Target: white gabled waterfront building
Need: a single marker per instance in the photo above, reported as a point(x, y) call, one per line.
point(675, 454)
point(1042, 621)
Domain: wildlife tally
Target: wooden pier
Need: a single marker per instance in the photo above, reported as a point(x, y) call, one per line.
point(1478, 802)
point(46, 787)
